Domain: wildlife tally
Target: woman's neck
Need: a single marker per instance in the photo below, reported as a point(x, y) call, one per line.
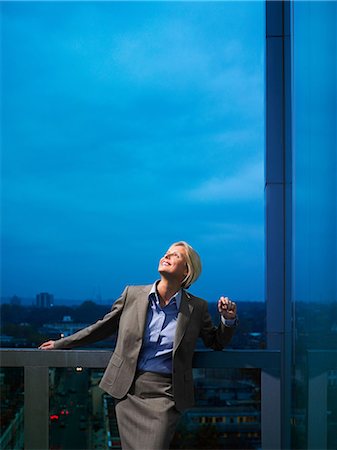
point(166, 289)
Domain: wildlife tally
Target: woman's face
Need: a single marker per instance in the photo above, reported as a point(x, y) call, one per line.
point(173, 263)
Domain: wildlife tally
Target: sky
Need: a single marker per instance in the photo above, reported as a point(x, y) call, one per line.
point(127, 126)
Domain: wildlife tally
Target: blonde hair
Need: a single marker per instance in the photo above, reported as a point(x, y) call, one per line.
point(193, 264)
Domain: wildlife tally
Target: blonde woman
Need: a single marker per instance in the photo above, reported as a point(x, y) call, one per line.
point(150, 372)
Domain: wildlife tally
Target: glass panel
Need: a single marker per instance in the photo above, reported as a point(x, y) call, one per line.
point(227, 412)
point(72, 408)
point(132, 125)
point(12, 416)
point(315, 203)
point(126, 126)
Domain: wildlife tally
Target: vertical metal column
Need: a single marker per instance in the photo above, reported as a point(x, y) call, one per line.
point(36, 411)
point(278, 219)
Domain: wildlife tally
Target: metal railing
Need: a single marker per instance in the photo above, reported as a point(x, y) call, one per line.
point(36, 364)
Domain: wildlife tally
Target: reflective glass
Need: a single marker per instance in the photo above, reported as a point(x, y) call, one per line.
point(227, 413)
point(75, 409)
point(127, 126)
point(314, 212)
point(12, 411)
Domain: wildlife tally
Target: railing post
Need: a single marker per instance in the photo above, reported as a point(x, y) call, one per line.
point(36, 412)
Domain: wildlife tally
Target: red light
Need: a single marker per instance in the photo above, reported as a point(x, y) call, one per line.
point(54, 417)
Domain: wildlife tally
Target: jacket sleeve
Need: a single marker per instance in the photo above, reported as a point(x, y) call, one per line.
point(100, 330)
point(214, 337)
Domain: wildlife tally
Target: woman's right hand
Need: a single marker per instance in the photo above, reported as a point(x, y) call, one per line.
point(49, 345)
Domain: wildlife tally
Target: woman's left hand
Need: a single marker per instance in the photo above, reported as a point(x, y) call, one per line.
point(227, 308)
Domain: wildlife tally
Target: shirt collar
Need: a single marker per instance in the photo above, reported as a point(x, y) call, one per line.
point(177, 296)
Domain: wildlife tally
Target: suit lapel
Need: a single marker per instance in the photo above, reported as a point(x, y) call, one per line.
point(142, 304)
point(184, 315)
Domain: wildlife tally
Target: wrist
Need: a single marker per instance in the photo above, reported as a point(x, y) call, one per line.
point(231, 323)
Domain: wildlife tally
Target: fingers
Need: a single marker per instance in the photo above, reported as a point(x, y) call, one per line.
point(226, 305)
point(49, 345)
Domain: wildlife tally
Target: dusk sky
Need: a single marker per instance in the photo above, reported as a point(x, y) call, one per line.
point(125, 127)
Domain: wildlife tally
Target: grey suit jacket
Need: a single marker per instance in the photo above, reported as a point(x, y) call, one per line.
point(128, 317)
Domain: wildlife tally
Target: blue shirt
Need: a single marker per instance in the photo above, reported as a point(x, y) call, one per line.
point(160, 328)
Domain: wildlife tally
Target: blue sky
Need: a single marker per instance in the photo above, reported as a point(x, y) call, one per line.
point(125, 127)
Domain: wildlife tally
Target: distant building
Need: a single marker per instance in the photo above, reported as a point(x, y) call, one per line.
point(13, 435)
point(15, 300)
point(4, 339)
point(110, 423)
point(62, 329)
point(44, 300)
point(230, 426)
point(227, 411)
point(11, 392)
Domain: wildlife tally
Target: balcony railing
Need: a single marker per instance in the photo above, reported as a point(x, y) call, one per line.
point(36, 364)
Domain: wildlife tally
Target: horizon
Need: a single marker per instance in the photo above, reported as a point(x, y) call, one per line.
point(73, 301)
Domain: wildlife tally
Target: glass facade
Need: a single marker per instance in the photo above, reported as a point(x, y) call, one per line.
point(133, 123)
point(314, 296)
point(227, 413)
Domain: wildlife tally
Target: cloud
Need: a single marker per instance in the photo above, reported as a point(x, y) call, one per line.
point(245, 184)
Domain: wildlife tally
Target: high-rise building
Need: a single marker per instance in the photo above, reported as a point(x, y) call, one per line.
point(44, 300)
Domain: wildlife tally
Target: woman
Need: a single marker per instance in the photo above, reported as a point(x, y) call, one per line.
point(150, 371)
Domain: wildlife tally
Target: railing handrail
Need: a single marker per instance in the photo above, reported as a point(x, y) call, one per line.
point(97, 358)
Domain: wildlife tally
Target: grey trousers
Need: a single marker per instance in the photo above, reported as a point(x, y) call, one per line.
point(147, 416)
